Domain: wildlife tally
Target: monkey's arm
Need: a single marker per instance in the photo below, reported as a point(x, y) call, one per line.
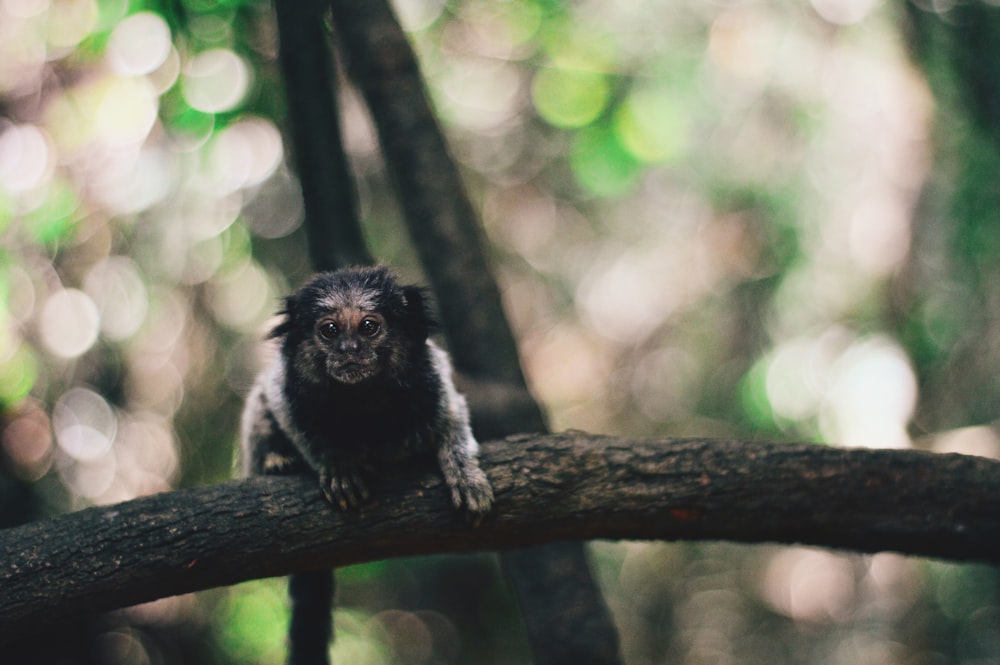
point(457, 447)
point(274, 445)
point(265, 449)
point(340, 477)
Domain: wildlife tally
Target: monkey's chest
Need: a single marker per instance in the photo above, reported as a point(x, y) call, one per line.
point(375, 432)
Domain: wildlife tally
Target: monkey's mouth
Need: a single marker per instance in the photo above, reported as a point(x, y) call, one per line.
point(352, 372)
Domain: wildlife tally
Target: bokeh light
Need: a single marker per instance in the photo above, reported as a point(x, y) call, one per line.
point(871, 396)
point(27, 442)
point(844, 12)
point(69, 323)
point(139, 44)
point(256, 614)
point(241, 298)
point(810, 585)
point(245, 154)
point(101, 114)
point(84, 424)
point(762, 220)
point(276, 208)
point(652, 125)
point(215, 81)
point(418, 14)
point(115, 285)
point(69, 22)
point(26, 159)
point(568, 97)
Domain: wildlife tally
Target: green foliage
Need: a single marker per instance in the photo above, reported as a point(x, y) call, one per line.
point(570, 97)
point(754, 402)
point(53, 221)
point(959, 590)
point(18, 374)
point(253, 623)
point(654, 125)
point(601, 164)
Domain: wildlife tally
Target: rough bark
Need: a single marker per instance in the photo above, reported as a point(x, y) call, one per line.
point(549, 488)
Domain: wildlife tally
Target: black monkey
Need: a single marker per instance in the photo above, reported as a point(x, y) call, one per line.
point(357, 384)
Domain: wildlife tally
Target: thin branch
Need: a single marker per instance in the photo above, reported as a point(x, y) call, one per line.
point(335, 237)
point(549, 488)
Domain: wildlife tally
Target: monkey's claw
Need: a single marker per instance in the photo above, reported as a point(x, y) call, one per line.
point(343, 487)
point(474, 496)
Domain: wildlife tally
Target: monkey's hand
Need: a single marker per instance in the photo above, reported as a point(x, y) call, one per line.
point(470, 488)
point(342, 485)
point(471, 492)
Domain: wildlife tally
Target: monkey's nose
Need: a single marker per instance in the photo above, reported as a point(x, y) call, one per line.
point(348, 345)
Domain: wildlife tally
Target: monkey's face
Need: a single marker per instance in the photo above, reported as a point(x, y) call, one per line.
point(354, 345)
point(353, 326)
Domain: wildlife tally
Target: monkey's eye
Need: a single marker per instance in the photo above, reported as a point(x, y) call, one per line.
point(328, 329)
point(369, 327)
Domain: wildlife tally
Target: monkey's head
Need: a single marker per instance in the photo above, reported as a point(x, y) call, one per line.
point(353, 326)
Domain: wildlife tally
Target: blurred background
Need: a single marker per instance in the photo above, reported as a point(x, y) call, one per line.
point(768, 219)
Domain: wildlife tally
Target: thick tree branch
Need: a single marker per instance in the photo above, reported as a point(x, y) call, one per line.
point(549, 488)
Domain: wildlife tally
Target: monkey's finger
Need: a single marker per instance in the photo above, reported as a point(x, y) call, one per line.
point(333, 496)
point(350, 488)
point(341, 487)
point(332, 485)
point(324, 486)
point(327, 485)
point(350, 491)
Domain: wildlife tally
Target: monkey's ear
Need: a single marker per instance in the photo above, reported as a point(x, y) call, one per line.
point(416, 318)
point(287, 314)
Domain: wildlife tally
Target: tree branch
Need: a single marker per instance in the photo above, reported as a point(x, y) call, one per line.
point(549, 488)
point(335, 238)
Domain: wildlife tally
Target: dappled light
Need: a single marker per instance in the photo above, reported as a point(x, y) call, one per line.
point(139, 44)
point(27, 158)
point(858, 392)
point(27, 442)
point(770, 220)
point(244, 154)
point(68, 323)
point(215, 80)
point(810, 586)
point(115, 286)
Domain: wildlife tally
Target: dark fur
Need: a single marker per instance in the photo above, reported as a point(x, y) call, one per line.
point(357, 385)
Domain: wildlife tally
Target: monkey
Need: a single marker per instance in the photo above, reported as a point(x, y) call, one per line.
point(357, 384)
